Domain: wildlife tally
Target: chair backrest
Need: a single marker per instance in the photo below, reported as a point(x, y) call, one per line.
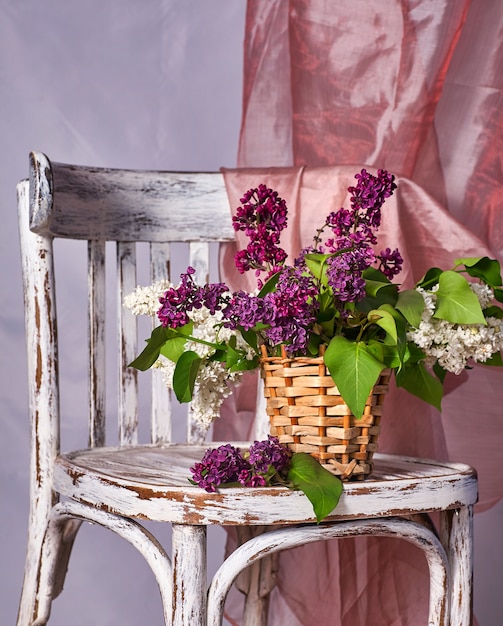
point(101, 206)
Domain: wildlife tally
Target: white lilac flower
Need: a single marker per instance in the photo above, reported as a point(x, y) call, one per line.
point(145, 300)
point(454, 345)
point(483, 292)
point(213, 382)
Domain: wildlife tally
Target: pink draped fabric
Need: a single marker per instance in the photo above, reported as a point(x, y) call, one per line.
point(426, 235)
point(413, 87)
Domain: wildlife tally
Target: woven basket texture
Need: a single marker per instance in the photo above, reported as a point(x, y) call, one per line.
point(307, 414)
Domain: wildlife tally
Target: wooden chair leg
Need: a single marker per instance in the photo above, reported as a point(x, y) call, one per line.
point(44, 572)
point(460, 554)
point(28, 604)
point(56, 550)
point(189, 575)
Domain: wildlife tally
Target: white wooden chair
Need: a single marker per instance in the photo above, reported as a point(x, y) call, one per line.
point(116, 486)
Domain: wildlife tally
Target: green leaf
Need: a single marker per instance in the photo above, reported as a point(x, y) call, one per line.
point(402, 327)
point(388, 353)
point(410, 303)
point(498, 294)
point(235, 360)
point(151, 352)
point(493, 311)
point(173, 348)
point(163, 340)
point(430, 278)
point(379, 290)
point(384, 294)
point(316, 264)
point(419, 382)
point(354, 369)
point(327, 325)
point(322, 488)
point(218, 355)
point(384, 318)
point(496, 360)
point(313, 345)
point(184, 376)
point(372, 273)
point(439, 372)
point(488, 270)
point(250, 336)
point(269, 285)
point(456, 302)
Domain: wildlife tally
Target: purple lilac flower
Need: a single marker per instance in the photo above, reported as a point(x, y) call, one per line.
point(249, 479)
point(262, 217)
point(341, 221)
point(263, 454)
point(300, 261)
point(288, 312)
point(218, 466)
point(293, 307)
point(212, 296)
point(258, 254)
point(178, 301)
point(354, 235)
point(344, 277)
point(370, 193)
point(344, 273)
point(246, 311)
point(226, 464)
point(390, 262)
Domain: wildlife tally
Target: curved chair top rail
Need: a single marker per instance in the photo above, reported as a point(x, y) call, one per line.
point(131, 204)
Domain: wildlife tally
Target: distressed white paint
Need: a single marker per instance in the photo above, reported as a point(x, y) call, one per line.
point(114, 485)
point(161, 490)
point(128, 205)
point(161, 427)
point(189, 575)
point(97, 357)
point(40, 319)
point(460, 550)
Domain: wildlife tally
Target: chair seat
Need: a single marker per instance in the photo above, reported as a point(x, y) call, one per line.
point(110, 479)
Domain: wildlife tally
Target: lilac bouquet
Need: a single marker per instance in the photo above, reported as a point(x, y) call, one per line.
point(336, 298)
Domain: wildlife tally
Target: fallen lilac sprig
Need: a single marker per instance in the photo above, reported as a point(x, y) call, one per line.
point(262, 464)
point(268, 463)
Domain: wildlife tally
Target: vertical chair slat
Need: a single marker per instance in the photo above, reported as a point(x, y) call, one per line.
point(97, 356)
point(199, 259)
point(161, 425)
point(128, 388)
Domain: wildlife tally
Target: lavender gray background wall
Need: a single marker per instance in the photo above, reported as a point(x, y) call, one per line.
point(128, 84)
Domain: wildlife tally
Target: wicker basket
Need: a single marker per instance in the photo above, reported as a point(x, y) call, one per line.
point(307, 414)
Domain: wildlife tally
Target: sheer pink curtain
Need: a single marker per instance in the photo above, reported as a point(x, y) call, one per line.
point(413, 87)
